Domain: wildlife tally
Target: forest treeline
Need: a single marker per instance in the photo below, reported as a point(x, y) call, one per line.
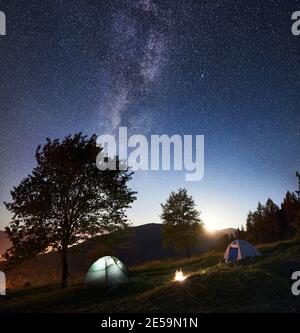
point(270, 222)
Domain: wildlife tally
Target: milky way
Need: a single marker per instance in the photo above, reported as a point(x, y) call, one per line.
point(136, 55)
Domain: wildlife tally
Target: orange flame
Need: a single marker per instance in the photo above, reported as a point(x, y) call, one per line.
point(179, 276)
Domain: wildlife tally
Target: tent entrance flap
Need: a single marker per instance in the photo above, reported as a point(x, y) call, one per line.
point(240, 249)
point(233, 254)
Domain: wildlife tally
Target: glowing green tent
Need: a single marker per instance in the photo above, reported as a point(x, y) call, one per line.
point(106, 272)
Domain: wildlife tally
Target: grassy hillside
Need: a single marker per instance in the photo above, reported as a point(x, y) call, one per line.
point(253, 285)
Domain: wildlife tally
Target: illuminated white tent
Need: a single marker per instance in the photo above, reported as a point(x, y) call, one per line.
point(240, 249)
point(106, 272)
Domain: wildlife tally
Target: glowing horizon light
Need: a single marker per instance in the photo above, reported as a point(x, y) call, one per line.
point(210, 229)
point(179, 276)
point(210, 225)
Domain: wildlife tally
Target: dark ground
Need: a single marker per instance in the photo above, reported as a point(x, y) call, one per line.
point(260, 284)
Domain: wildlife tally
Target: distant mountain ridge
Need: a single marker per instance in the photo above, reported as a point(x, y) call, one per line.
point(144, 244)
point(227, 231)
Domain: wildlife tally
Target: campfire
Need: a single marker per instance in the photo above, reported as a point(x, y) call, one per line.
point(179, 276)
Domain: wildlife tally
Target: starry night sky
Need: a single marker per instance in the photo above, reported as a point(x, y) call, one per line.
point(227, 69)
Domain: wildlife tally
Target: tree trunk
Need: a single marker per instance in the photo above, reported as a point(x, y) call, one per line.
point(188, 253)
point(64, 276)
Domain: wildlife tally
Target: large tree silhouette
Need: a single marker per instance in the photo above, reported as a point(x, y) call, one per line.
point(182, 225)
point(66, 199)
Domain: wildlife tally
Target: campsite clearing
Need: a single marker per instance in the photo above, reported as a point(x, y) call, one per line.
point(261, 284)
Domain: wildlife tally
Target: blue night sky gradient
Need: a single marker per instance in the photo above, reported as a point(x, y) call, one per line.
point(229, 70)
